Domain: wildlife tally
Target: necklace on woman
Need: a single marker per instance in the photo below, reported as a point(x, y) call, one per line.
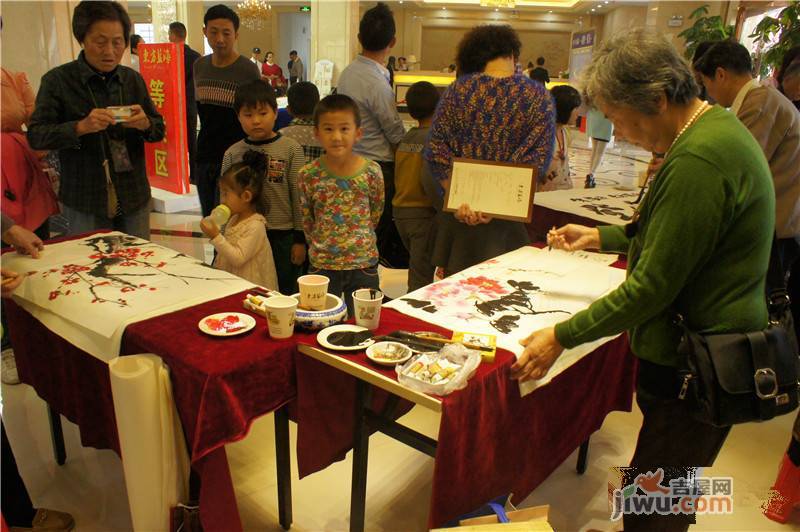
point(640, 200)
point(700, 110)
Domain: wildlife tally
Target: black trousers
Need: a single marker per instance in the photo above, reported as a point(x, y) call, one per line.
point(669, 438)
point(16, 504)
point(207, 182)
point(390, 247)
point(191, 140)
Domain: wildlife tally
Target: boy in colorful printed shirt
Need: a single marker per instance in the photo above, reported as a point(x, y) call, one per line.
point(256, 106)
point(342, 198)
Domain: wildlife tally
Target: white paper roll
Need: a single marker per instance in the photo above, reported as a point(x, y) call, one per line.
point(154, 456)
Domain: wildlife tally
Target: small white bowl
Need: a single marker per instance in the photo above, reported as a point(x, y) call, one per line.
point(314, 320)
point(375, 351)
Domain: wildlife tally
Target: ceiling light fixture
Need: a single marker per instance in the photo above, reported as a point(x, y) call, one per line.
point(254, 13)
point(511, 4)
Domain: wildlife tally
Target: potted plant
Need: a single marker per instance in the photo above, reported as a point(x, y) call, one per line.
point(704, 29)
point(786, 28)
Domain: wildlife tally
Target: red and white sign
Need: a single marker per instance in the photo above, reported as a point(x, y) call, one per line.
point(161, 66)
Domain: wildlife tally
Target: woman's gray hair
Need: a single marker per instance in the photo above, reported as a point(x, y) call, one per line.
point(634, 69)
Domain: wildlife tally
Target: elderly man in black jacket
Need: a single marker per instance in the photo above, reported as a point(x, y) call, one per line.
point(103, 178)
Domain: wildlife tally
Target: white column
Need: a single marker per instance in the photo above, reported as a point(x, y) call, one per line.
point(163, 12)
point(334, 34)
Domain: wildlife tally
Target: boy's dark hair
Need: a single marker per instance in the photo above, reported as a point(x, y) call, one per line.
point(566, 99)
point(135, 41)
point(88, 12)
point(376, 29)
point(293, 52)
point(539, 61)
point(484, 43)
point(178, 29)
point(421, 99)
point(701, 50)
point(248, 175)
point(221, 11)
point(336, 102)
point(729, 55)
point(253, 93)
point(303, 98)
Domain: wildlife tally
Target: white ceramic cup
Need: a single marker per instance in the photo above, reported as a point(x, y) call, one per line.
point(280, 316)
point(313, 291)
point(121, 112)
point(367, 307)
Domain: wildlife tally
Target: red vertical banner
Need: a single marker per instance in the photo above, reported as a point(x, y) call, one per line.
point(161, 66)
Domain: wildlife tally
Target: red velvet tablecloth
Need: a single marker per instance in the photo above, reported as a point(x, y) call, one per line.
point(220, 386)
point(491, 440)
point(73, 382)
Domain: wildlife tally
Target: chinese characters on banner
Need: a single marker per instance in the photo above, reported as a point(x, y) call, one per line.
point(583, 39)
point(161, 66)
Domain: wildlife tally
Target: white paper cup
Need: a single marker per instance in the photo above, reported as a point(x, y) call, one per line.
point(280, 316)
point(367, 307)
point(313, 291)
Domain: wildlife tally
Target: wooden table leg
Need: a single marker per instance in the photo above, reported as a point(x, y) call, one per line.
point(57, 436)
point(283, 466)
point(358, 493)
point(583, 454)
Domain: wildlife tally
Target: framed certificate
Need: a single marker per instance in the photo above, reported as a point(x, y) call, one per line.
point(500, 190)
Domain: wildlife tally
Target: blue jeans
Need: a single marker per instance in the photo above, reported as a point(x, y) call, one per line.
point(136, 223)
point(348, 281)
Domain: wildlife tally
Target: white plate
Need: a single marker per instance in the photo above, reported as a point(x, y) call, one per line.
point(322, 338)
point(385, 361)
point(243, 323)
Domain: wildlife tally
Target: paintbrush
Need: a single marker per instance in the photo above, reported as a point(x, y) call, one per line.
point(416, 346)
point(441, 341)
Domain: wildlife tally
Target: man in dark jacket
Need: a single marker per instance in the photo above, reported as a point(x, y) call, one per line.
point(103, 178)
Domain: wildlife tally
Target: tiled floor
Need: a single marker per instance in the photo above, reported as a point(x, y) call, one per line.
point(90, 485)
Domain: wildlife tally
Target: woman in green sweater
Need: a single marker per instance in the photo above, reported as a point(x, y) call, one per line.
point(699, 246)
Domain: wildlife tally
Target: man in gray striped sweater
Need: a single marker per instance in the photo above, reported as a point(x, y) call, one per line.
point(256, 107)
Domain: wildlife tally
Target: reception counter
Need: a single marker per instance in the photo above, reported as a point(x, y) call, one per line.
point(403, 80)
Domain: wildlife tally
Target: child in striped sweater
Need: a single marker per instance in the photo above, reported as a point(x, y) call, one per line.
point(256, 106)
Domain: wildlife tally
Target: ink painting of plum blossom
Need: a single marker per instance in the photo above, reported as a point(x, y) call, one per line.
point(104, 280)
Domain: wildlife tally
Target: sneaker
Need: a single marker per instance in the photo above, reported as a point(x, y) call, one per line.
point(9, 367)
point(590, 182)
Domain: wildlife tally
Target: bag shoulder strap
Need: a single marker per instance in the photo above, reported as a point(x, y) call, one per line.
point(778, 296)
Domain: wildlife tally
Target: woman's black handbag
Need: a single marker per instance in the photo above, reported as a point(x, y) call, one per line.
point(740, 377)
